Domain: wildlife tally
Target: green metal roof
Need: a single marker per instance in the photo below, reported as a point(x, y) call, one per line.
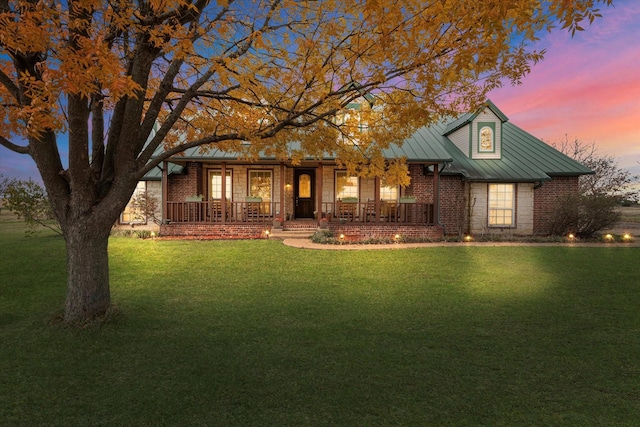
point(468, 117)
point(525, 158)
point(425, 145)
point(155, 174)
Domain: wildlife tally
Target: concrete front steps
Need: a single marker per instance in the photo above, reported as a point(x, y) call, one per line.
point(295, 230)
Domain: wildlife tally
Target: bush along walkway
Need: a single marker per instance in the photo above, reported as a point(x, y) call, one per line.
point(343, 242)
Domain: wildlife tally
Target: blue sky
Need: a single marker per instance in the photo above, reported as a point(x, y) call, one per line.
point(587, 87)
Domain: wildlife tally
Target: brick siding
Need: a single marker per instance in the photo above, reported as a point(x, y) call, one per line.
point(230, 231)
point(546, 199)
point(421, 186)
point(453, 203)
point(182, 186)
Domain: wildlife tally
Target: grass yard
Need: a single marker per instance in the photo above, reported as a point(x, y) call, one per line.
point(243, 333)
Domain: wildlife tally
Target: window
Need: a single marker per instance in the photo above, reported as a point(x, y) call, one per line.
point(389, 193)
point(134, 212)
point(260, 184)
point(351, 123)
point(304, 186)
point(486, 137)
point(346, 186)
point(501, 205)
point(215, 185)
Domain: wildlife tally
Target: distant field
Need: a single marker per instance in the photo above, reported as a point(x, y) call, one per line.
point(630, 213)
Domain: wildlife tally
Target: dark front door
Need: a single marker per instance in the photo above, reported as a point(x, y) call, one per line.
point(304, 192)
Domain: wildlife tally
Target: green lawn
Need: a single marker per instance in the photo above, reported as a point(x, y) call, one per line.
point(241, 333)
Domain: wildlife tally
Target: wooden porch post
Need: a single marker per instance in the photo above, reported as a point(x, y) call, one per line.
point(282, 190)
point(165, 191)
point(223, 196)
point(376, 197)
point(436, 193)
point(319, 190)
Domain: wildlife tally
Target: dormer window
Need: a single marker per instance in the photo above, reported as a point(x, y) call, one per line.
point(486, 138)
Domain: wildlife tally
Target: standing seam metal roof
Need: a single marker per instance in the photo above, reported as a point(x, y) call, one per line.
point(525, 158)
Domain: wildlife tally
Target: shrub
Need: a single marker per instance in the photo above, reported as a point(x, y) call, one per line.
point(584, 215)
point(322, 236)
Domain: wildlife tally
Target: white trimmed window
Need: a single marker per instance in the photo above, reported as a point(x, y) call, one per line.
point(501, 205)
point(346, 186)
point(389, 193)
point(215, 185)
point(260, 184)
point(486, 137)
point(351, 123)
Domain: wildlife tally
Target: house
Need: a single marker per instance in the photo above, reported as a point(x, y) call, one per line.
point(477, 174)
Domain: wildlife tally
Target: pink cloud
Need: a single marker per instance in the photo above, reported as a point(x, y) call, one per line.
point(587, 87)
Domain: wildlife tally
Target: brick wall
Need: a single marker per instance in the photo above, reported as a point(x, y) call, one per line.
point(546, 199)
point(230, 231)
point(182, 186)
point(421, 186)
point(452, 197)
point(453, 203)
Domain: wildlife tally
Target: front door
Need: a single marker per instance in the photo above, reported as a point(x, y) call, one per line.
point(304, 192)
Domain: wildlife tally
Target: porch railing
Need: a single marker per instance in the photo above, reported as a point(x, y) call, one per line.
point(213, 211)
point(264, 212)
point(381, 212)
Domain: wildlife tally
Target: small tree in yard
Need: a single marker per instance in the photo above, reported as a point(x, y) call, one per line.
point(594, 208)
point(5, 182)
point(28, 200)
point(129, 79)
point(144, 205)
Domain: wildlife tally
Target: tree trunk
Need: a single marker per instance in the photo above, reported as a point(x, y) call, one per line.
point(88, 294)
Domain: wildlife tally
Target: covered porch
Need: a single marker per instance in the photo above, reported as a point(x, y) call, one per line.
point(231, 193)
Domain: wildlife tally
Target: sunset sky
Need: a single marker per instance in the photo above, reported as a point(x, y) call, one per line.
point(587, 87)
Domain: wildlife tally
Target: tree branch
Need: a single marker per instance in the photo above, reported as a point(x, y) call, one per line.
point(13, 147)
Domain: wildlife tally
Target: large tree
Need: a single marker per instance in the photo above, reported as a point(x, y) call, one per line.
point(126, 79)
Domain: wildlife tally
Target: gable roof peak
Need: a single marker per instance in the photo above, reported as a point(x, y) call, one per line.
point(495, 110)
point(467, 118)
point(355, 86)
